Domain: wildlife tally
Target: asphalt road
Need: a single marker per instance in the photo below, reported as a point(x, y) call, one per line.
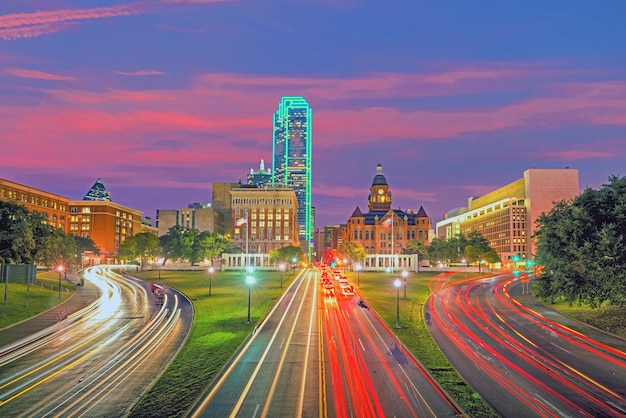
point(322, 357)
point(276, 373)
point(523, 358)
point(369, 372)
point(98, 361)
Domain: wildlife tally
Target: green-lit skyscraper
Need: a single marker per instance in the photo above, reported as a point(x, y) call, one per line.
point(291, 165)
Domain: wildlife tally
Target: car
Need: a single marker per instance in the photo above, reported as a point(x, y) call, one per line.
point(347, 291)
point(362, 304)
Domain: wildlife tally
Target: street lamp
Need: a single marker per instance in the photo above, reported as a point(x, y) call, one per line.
point(397, 283)
point(405, 274)
point(211, 270)
point(358, 275)
point(282, 268)
point(60, 269)
point(249, 282)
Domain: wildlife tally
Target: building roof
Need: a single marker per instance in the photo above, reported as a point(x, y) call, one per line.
point(370, 217)
point(379, 178)
point(357, 213)
point(98, 192)
point(421, 213)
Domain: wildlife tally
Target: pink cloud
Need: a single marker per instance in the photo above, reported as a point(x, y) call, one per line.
point(239, 107)
point(34, 74)
point(569, 155)
point(140, 72)
point(29, 25)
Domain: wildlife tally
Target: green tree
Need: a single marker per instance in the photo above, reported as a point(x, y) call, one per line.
point(22, 233)
point(176, 244)
point(352, 251)
point(141, 246)
point(581, 245)
point(56, 247)
point(440, 250)
point(287, 254)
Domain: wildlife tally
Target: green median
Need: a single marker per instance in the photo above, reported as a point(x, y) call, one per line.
point(219, 328)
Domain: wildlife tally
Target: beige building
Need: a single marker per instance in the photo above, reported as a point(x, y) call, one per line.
point(506, 216)
point(263, 219)
point(50, 204)
point(196, 216)
point(220, 201)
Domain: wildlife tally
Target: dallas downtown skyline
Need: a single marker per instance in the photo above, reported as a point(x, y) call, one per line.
point(162, 98)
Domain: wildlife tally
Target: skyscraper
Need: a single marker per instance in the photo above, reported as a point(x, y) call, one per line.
point(291, 165)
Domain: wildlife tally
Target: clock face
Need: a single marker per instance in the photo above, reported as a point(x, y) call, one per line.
point(380, 191)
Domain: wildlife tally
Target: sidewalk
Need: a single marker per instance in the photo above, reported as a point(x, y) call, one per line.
point(83, 296)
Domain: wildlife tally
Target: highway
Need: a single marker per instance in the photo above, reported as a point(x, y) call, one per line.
point(369, 372)
point(318, 356)
point(99, 361)
point(523, 358)
point(276, 373)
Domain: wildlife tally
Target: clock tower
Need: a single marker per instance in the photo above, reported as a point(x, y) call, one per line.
point(380, 196)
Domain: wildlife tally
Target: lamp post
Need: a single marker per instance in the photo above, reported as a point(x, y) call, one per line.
point(405, 274)
point(249, 282)
point(358, 275)
point(397, 283)
point(211, 270)
point(282, 268)
point(60, 270)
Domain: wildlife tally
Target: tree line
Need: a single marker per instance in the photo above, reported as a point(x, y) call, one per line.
point(474, 248)
point(581, 246)
point(27, 238)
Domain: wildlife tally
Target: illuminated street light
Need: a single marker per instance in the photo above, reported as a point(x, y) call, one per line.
point(405, 274)
point(358, 275)
point(282, 268)
point(249, 282)
point(211, 270)
point(397, 283)
point(60, 269)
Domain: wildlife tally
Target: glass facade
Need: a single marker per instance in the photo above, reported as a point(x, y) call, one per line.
point(291, 152)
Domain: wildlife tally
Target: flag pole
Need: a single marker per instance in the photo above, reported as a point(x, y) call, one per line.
point(392, 244)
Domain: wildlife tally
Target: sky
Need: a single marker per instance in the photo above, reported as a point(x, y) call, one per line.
point(453, 98)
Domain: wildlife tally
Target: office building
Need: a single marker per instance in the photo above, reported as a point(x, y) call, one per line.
point(263, 219)
point(53, 206)
point(196, 216)
point(291, 165)
point(506, 216)
point(220, 201)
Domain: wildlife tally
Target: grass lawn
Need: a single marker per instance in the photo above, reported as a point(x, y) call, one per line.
point(43, 296)
point(608, 318)
point(378, 291)
point(219, 329)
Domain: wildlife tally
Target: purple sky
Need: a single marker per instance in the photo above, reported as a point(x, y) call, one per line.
point(162, 98)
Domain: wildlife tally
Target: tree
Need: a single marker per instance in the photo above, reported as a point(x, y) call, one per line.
point(142, 246)
point(56, 247)
point(352, 251)
point(176, 244)
point(440, 250)
point(582, 246)
point(287, 254)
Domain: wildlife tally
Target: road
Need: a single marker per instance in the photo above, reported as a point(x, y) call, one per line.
point(369, 372)
point(99, 361)
point(276, 373)
point(523, 358)
point(322, 357)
